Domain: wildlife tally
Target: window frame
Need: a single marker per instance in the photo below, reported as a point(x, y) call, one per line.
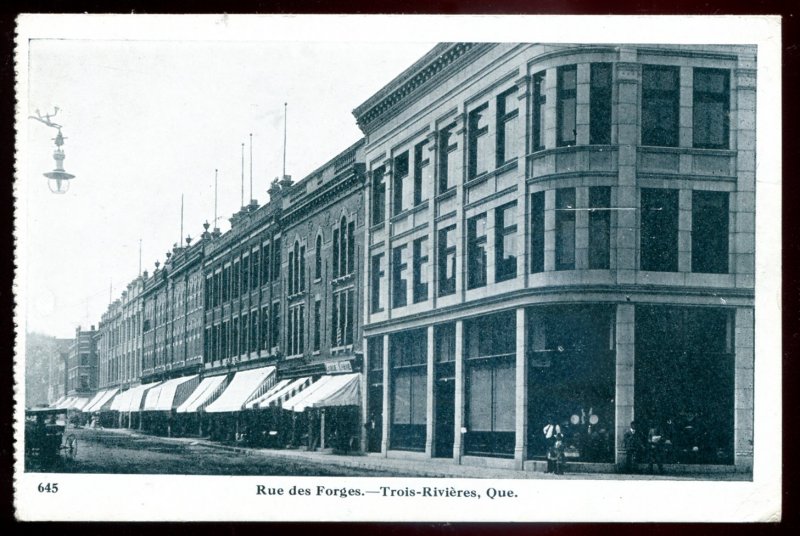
point(505, 267)
point(477, 252)
point(671, 138)
point(562, 97)
point(704, 97)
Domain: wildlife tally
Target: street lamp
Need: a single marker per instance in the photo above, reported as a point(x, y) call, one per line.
point(58, 179)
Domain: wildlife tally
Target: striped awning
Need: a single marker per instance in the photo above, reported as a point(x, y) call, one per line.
point(244, 386)
point(338, 390)
point(277, 396)
point(99, 400)
point(205, 393)
point(170, 394)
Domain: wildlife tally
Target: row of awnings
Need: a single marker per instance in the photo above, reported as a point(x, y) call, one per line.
point(249, 389)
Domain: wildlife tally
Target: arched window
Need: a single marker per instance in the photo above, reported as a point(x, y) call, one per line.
point(318, 258)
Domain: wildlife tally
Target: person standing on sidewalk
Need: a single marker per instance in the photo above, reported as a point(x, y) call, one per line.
point(633, 448)
point(552, 435)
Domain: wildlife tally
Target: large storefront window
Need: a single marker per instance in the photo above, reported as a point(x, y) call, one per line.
point(374, 424)
point(408, 359)
point(490, 385)
point(571, 380)
point(684, 380)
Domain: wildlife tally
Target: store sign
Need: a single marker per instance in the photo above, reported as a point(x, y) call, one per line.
point(337, 367)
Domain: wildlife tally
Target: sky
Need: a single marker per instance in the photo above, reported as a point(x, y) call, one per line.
point(148, 121)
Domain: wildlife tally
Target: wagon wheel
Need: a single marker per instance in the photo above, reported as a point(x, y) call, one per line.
point(72, 446)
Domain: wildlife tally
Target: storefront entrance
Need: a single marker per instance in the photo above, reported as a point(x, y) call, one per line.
point(571, 380)
point(445, 418)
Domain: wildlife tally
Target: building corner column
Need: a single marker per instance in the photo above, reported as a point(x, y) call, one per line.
point(385, 421)
point(624, 389)
point(743, 426)
point(430, 409)
point(458, 446)
point(521, 400)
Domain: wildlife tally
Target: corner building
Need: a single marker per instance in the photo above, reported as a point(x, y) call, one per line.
point(561, 232)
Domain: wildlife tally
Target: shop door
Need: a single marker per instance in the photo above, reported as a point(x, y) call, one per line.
point(445, 418)
point(374, 424)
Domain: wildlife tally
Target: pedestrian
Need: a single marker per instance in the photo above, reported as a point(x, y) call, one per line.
point(655, 449)
point(633, 448)
point(552, 434)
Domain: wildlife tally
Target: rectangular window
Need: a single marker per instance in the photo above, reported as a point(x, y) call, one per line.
point(600, 104)
point(447, 261)
point(301, 329)
point(659, 230)
point(565, 229)
point(226, 281)
point(505, 242)
point(245, 274)
point(445, 343)
point(400, 174)
point(245, 336)
point(256, 263)
point(710, 232)
point(660, 105)
point(447, 159)
point(317, 324)
point(276, 259)
point(264, 328)
point(234, 340)
point(253, 346)
point(711, 108)
point(599, 227)
point(422, 172)
point(235, 273)
point(566, 105)
point(265, 264)
point(537, 232)
point(336, 334)
point(378, 196)
point(223, 340)
point(350, 325)
point(291, 285)
point(478, 142)
point(476, 251)
point(399, 279)
point(276, 320)
point(539, 103)
point(420, 269)
point(376, 283)
point(508, 133)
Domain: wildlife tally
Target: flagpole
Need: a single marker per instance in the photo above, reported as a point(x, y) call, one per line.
point(242, 175)
point(251, 167)
point(285, 112)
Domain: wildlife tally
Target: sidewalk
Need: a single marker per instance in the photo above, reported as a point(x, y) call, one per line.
point(425, 468)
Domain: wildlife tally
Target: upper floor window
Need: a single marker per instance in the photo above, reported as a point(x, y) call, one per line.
point(275, 317)
point(318, 258)
point(711, 108)
point(478, 142)
point(476, 251)
point(399, 277)
point(292, 262)
point(245, 273)
point(566, 105)
point(422, 172)
point(505, 242)
point(342, 320)
point(420, 269)
point(376, 283)
point(276, 258)
point(660, 105)
point(400, 175)
point(265, 263)
point(565, 229)
point(599, 226)
point(446, 259)
point(710, 232)
point(447, 145)
point(659, 230)
point(507, 127)
point(317, 324)
point(539, 104)
point(600, 104)
point(537, 232)
point(378, 195)
point(264, 339)
point(226, 281)
point(256, 263)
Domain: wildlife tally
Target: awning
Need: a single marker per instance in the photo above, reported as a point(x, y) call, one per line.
point(67, 402)
point(57, 402)
point(244, 386)
point(105, 402)
point(79, 403)
point(278, 395)
point(203, 394)
point(95, 399)
point(169, 394)
point(274, 389)
point(121, 400)
point(339, 390)
point(135, 395)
